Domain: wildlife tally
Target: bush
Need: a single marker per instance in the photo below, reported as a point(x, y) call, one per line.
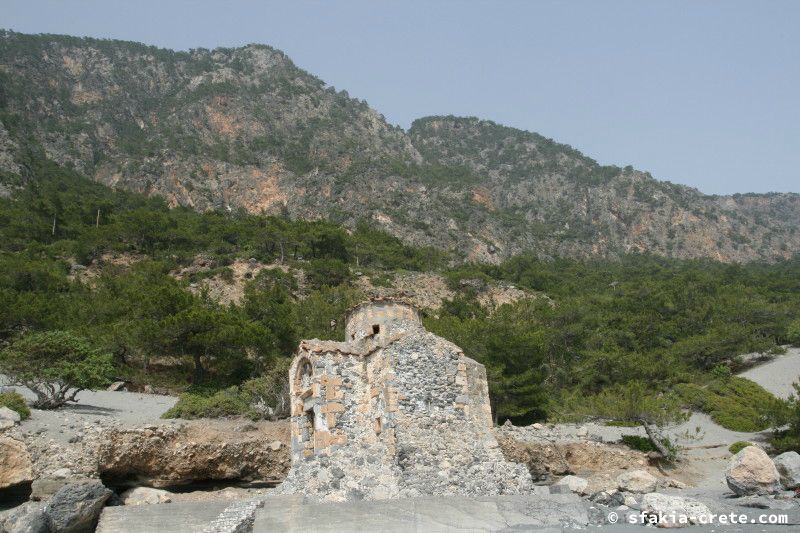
point(793, 333)
point(635, 442)
point(785, 442)
point(15, 402)
point(55, 365)
point(265, 397)
point(735, 403)
point(227, 402)
point(738, 446)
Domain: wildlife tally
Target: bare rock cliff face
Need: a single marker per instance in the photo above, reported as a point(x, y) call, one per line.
point(245, 128)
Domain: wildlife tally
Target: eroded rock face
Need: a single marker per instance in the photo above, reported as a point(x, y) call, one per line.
point(751, 471)
point(788, 465)
point(15, 463)
point(543, 459)
point(637, 481)
point(162, 456)
point(547, 458)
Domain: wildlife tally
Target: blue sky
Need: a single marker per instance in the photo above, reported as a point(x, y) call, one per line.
point(703, 93)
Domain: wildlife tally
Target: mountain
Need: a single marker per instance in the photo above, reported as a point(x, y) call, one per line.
point(245, 128)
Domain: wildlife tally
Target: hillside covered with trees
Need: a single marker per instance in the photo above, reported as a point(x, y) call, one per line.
point(642, 321)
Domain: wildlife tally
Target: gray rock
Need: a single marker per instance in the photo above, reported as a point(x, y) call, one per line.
point(788, 465)
point(9, 414)
point(27, 518)
point(674, 511)
point(575, 484)
point(560, 489)
point(44, 487)
point(75, 507)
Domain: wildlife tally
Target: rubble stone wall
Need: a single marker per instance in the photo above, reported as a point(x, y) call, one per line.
point(400, 413)
point(390, 317)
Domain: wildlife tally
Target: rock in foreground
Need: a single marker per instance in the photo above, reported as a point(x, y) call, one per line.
point(788, 465)
point(674, 511)
point(15, 463)
point(74, 508)
point(751, 471)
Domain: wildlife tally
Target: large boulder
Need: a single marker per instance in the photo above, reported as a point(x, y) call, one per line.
point(788, 465)
point(751, 471)
point(673, 511)
point(75, 508)
point(15, 463)
point(637, 481)
point(169, 455)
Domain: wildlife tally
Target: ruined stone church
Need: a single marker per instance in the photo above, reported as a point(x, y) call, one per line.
point(393, 411)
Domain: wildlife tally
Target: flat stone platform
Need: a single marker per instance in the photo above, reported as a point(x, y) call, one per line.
point(430, 514)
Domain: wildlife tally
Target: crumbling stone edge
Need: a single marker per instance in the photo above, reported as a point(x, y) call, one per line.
point(236, 518)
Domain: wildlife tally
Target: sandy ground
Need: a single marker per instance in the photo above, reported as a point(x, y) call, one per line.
point(777, 375)
point(96, 407)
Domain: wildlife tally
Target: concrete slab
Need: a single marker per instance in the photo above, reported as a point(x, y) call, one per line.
point(445, 514)
point(188, 517)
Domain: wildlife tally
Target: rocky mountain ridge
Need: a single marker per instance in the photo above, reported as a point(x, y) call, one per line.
point(245, 128)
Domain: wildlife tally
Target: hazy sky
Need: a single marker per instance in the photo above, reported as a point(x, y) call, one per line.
point(697, 92)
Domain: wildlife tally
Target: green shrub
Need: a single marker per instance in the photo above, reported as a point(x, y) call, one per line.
point(635, 442)
point(785, 442)
point(738, 446)
point(622, 424)
point(15, 402)
point(263, 397)
point(793, 333)
point(227, 402)
point(735, 403)
point(381, 280)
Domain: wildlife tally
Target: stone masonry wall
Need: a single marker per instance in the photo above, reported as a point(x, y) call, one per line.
point(391, 317)
point(397, 413)
point(444, 444)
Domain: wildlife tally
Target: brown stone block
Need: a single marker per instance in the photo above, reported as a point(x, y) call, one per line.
point(330, 419)
point(332, 407)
